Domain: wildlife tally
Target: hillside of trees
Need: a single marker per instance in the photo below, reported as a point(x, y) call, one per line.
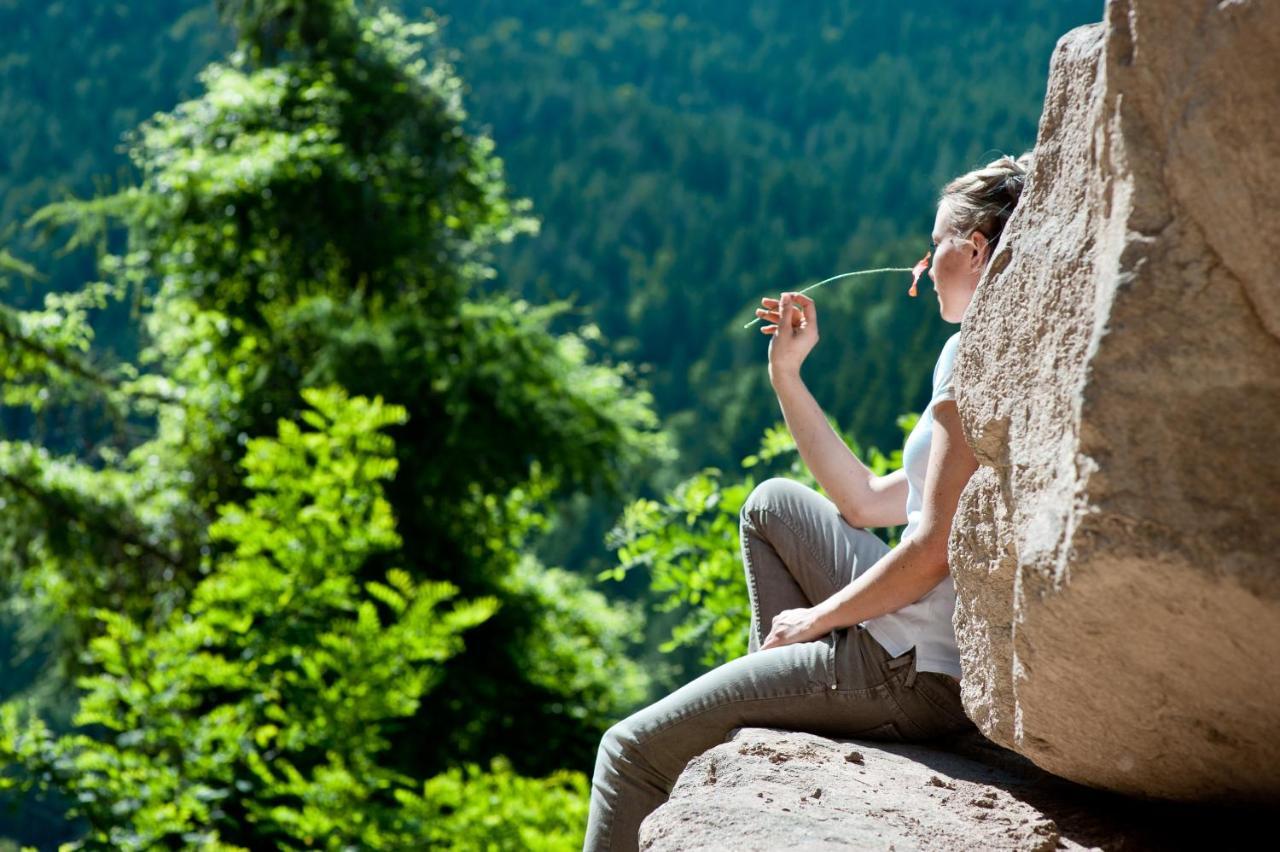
point(684, 158)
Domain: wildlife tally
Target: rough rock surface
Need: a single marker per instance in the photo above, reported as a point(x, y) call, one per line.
point(1117, 556)
point(770, 790)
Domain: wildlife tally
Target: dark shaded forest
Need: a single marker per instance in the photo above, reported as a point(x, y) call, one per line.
point(683, 159)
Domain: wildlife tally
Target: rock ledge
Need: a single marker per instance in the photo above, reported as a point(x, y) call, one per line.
point(768, 790)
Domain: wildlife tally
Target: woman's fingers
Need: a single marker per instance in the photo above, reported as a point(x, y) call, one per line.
point(791, 310)
point(785, 315)
point(798, 306)
point(809, 309)
point(767, 315)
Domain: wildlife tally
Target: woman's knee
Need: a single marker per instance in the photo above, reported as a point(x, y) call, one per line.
point(773, 497)
point(622, 752)
point(619, 738)
point(625, 740)
point(649, 747)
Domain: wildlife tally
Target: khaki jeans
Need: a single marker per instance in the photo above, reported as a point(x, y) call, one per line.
point(797, 550)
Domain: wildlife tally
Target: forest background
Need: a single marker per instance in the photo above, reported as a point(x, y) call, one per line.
point(681, 159)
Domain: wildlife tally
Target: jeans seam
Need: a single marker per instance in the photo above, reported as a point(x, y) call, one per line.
point(749, 563)
point(751, 577)
point(835, 659)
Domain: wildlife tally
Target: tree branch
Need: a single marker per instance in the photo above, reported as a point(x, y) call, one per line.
point(60, 505)
point(78, 368)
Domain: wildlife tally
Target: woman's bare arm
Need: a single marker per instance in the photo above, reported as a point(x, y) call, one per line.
point(906, 573)
point(863, 499)
point(888, 504)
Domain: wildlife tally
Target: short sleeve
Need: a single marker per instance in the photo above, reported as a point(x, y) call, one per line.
point(943, 373)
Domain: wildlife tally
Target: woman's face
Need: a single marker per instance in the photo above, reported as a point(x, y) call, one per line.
point(957, 265)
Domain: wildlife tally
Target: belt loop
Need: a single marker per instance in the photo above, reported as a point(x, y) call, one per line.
point(906, 659)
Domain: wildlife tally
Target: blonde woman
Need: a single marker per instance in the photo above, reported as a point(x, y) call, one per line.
point(849, 638)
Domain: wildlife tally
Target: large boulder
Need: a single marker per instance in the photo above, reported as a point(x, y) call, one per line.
point(1117, 555)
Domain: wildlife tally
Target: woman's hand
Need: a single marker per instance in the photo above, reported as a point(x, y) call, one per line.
point(793, 625)
point(794, 329)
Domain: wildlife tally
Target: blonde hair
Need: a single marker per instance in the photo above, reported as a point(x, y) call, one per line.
point(983, 199)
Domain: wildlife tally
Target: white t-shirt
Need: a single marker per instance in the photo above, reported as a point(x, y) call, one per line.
point(925, 624)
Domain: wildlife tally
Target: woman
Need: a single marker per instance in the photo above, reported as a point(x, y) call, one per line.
point(849, 638)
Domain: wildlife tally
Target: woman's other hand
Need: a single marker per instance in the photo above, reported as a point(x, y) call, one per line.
point(794, 329)
point(794, 625)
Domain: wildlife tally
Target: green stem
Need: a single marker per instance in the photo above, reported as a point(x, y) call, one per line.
point(844, 275)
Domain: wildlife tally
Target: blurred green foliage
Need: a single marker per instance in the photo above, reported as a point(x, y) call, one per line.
point(253, 716)
point(250, 622)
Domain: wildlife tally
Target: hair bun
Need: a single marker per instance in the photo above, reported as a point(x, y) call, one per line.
point(1021, 166)
point(1013, 184)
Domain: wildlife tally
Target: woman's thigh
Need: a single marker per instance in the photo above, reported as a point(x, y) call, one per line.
point(822, 687)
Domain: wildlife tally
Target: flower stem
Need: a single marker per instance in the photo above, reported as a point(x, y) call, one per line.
point(843, 275)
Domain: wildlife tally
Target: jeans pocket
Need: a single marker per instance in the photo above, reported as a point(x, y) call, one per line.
point(940, 696)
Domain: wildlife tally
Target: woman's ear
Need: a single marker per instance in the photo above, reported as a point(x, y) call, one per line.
point(980, 245)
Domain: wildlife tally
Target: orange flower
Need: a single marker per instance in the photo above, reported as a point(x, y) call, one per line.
point(916, 271)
